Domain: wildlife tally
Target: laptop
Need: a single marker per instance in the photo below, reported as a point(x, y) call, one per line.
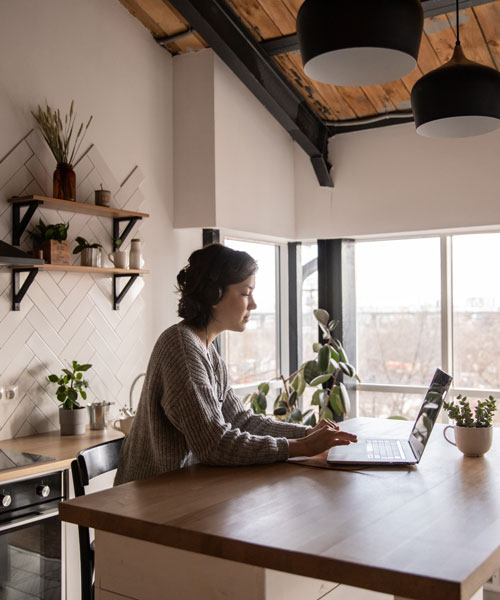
point(398, 452)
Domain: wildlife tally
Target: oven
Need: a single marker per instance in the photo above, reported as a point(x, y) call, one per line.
point(30, 538)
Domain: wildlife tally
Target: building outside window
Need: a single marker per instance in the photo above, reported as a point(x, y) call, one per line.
point(253, 356)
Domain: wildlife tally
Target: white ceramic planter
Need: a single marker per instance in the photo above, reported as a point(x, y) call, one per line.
point(73, 421)
point(472, 441)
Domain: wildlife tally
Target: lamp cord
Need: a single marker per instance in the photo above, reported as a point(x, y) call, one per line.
point(458, 26)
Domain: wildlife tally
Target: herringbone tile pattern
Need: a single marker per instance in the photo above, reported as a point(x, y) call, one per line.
point(66, 316)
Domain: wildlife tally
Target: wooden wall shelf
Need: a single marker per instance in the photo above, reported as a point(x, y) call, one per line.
point(19, 224)
point(80, 269)
point(77, 207)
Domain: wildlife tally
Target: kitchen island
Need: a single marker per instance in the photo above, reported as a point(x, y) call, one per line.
point(429, 532)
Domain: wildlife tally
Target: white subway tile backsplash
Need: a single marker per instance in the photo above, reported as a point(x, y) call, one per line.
point(103, 174)
point(41, 324)
point(76, 319)
point(14, 161)
point(42, 177)
point(65, 316)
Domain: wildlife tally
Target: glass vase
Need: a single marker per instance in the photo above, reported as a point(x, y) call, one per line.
point(65, 182)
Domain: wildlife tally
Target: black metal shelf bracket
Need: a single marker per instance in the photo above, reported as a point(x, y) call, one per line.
point(119, 296)
point(18, 290)
point(118, 238)
point(18, 224)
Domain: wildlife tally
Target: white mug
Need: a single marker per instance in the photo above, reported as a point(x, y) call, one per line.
point(119, 259)
point(123, 425)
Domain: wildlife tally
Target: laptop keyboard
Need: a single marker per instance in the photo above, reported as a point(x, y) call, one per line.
point(384, 449)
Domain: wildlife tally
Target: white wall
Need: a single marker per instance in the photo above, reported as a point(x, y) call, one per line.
point(254, 162)
point(237, 171)
point(194, 140)
point(392, 180)
point(95, 52)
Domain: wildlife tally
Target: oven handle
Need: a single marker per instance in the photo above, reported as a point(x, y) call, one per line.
point(28, 520)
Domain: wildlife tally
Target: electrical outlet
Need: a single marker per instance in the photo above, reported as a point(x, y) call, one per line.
point(11, 392)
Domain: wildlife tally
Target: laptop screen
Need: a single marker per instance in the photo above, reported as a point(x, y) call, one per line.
point(429, 412)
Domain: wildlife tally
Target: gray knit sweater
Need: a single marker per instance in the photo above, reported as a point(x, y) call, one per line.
point(188, 413)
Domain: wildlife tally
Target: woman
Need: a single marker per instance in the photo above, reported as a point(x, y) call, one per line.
point(188, 413)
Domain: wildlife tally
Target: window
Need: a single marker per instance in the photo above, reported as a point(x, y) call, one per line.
point(253, 356)
point(309, 261)
point(423, 303)
point(476, 311)
point(398, 296)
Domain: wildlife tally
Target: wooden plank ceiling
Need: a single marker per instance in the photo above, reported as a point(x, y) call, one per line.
point(270, 19)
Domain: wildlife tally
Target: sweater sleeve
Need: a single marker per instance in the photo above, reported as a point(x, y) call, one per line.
point(213, 440)
point(245, 420)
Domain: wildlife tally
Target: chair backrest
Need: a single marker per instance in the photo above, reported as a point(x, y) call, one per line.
point(90, 463)
point(97, 460)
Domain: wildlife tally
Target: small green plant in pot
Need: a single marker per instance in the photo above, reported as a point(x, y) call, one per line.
point(52, 241)
point(322, 373)
point(90, 253)
point(473, 427)
point(71, 386)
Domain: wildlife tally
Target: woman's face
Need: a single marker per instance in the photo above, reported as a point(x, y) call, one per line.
point(232, 313)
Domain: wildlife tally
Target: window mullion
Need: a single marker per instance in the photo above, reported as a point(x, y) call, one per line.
point(446, 304)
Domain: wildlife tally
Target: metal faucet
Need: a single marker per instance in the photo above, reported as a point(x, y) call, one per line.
point(130, 409)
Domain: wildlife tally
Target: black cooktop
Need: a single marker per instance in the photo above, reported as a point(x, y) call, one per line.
point(10, 459)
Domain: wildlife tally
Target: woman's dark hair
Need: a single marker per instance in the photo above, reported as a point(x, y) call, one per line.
point(203, 281)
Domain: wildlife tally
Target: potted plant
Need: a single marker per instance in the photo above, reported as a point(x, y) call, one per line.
point(473, 428)
point(322, 373)
point(90, 253)
point(71, 384)
point(58, 133)
point(52, 241)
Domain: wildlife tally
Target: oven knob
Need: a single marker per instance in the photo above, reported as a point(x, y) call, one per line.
point(43, 490)
point(5, 500)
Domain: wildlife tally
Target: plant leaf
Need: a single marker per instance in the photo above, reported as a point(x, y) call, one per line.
point(311, 371)
point(320, 379)
point(344, 397)
point(321, 316)
point(264, 388)
point(323, 358)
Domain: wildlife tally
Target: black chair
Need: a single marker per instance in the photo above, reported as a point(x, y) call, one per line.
point(90, 463)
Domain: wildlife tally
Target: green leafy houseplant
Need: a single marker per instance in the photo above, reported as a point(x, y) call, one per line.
point(42, 232)
point(83, 244)
point(71, 384)
point(463, 415)
point(322, 373)
point(58, 132)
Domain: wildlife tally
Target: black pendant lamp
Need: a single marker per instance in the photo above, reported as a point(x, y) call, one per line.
point(459, 99)
point(359, 42)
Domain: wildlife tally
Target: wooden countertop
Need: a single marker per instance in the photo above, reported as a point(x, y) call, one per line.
point(63, 448)
point(431, 531)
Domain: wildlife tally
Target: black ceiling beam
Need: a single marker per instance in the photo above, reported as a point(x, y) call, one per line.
point(221, 29)
point(432, 8)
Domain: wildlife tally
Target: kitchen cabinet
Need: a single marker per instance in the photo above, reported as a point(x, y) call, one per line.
point(118, 216)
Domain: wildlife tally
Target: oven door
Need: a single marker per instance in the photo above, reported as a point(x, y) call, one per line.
point(30, 554)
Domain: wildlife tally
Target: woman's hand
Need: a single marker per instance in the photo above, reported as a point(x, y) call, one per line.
point(324, 423)
point(322, 437)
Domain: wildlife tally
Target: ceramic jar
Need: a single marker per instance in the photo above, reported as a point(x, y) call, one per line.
point(135, 257)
